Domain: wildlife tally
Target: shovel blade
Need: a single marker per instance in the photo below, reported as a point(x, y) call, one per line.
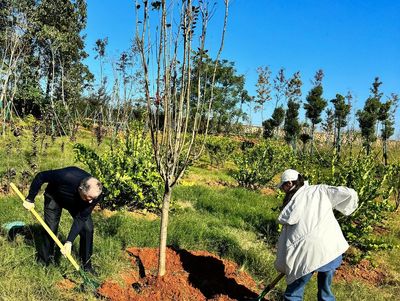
point(89, 284)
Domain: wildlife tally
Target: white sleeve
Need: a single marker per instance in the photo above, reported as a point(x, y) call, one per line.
point(343, 199)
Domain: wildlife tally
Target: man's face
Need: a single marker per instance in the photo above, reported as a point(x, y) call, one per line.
point(87, 197)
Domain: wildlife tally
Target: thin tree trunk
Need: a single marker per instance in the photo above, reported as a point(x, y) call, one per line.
point(385, 156)
point(312, 139)
point(164, 230)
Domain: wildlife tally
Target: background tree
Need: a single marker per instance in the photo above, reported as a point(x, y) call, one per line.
point(280, 84)
point(315, 104)
point(304, 138)
point(263, 89)
point(61, 52)
point(271, 125)
point(268, 128)
point(123, 65)
point(367, 118)
point(292, 125)
point(386, 117)
point(341, 111)
point(229, 93)
point(174, 142)
point(328, 125)
point(16, 21)
point(43, 39)
point(245, 98)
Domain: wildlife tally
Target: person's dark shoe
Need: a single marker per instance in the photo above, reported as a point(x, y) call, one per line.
point(91, 270)
point(42, 262)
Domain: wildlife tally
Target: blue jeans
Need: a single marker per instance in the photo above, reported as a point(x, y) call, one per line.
point(295, 290)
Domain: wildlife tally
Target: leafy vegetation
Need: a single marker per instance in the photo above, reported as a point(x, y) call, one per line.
point(219, 149)
point(233, 222)
point(370, 180)
point(257, 165)
point(127, 171)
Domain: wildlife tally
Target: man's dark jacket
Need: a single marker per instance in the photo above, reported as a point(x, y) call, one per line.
point(63, 188)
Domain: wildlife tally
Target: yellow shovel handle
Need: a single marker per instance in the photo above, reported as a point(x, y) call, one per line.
point(42, 222)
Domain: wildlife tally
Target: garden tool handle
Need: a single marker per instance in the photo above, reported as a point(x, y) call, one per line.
point(270, 286)
point(48, 230)
point(276, 280)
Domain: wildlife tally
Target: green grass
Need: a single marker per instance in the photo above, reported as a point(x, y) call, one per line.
point(210, 213)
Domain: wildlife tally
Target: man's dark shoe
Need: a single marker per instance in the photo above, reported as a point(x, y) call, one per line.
point(91, 270)
point(41, 261)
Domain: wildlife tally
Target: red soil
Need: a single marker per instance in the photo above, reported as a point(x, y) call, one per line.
point(200, 276)
point(191, 275)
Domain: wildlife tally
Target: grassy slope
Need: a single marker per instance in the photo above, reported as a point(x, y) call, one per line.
point(211, 214)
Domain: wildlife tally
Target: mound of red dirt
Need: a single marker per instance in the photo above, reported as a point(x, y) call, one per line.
point(191, 275)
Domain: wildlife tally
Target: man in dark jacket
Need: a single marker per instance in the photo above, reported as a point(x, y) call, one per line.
point(75, 190)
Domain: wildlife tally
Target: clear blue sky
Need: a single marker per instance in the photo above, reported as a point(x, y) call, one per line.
point(352, 41)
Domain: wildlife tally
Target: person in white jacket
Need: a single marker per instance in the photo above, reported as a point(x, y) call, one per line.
point(311, 239)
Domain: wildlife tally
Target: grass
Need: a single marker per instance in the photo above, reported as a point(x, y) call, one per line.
point(210, 213)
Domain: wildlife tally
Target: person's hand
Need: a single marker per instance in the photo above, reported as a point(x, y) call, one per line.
point(66, 249)
point(28, 205)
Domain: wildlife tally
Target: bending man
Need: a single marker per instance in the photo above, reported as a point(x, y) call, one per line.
point(75, 190)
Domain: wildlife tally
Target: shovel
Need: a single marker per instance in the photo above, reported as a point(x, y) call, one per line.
point(87, 282)
point(268, 288)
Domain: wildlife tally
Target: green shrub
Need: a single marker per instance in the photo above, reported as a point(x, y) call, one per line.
point(369, 178)
point(127, 171)
point(219, 149)
point(257, 165)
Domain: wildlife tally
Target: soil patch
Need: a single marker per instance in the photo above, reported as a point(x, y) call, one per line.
point(135, 214)
point(363, 271)
point(267, 191)
point(66, 284)
point(191, 275)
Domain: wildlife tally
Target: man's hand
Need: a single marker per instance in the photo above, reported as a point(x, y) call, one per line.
point(28, 205)
point(66, 249)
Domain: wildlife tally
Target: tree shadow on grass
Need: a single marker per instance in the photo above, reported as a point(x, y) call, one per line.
point(207, 274)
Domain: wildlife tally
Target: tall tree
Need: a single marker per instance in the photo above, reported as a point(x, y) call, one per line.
point(229, 92)
point(315, 104)
point(386, 117)
point(61, 53)
point(245, 98)
point(16, 21)
point(341, 112)
point(174, 140)
point(280, 84)
point(328, 125)
point(263, 89)
point(292, 125)
point(271, 125)
point(368, 116)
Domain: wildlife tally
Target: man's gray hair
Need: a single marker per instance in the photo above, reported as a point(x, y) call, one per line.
point(90, 183)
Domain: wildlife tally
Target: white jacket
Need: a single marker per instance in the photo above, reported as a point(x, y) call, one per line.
point(311, 236)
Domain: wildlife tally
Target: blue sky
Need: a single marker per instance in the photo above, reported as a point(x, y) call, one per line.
point(351, 41)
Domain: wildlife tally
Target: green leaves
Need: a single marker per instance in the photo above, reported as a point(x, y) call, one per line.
point(257, 165)
point(370, 180)
point(219, 149)
point(128, 172)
